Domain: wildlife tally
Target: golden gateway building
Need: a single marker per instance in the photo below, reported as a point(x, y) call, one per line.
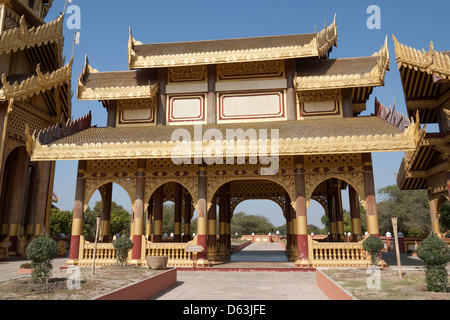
point(210, 124)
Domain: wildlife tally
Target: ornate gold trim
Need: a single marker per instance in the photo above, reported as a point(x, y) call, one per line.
point(131, 93)
point(36, 84)
point(431, 62)
point(374, 78)
point(318, 47)
point(21, 37)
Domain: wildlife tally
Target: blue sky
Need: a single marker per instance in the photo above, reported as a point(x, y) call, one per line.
point(104, 38)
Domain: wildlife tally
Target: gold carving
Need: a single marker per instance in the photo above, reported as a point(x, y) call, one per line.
point(319, 96)
point(248, 70)
point(188, 74)
point(36, 84)
point(21, 38)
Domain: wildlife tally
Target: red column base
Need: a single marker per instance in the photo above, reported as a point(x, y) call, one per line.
point(74, 247)
point(136, 251)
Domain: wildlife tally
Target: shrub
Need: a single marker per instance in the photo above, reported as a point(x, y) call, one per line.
point(123, 245)
point(41, 252)
point(373, 245)
point(436, 254)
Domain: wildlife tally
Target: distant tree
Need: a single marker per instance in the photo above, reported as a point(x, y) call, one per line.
point(60, 222)
point(314, 229)
point(444, 219)
point(410, 206)
point(248, 224)
point(168, 218)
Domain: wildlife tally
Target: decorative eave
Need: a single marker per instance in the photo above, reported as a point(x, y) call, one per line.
point(318, 46)
point(294, 139)
point(113, 91)
point(21, 37)
point(431, 62)
point(36, 84)
point(374, 78)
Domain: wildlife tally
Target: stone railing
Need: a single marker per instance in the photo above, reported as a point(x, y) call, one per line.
point(105, 254)
point(178, 256)
point(337, 255)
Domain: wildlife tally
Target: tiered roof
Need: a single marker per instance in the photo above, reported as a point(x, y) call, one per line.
point(316, 73)
point(160, 55)
point(425, 77)
point(330, 136)
point(43, 45)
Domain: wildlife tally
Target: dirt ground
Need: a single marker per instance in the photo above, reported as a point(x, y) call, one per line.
point(385, 285)
point(62, 285)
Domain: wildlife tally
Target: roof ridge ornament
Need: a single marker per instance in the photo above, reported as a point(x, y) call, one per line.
point(327, 38)
point(431, 61)
point(37, 83)
point(21, 37)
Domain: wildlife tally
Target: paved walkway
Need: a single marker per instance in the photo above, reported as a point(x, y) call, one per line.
point(8, 269)
point(248, 285)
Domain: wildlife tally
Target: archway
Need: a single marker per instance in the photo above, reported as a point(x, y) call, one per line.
point(169, 200)
point(235, 193)
point(335, 195)
point(25, 200)
point(112, 203)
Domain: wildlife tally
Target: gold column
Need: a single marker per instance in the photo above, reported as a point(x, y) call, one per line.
point(371, 205)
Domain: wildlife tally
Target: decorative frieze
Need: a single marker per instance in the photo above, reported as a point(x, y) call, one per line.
point(251, 70)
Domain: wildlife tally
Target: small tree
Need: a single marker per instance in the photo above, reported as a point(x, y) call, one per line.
point(436, 254)
point(123, 245)
point(373, 245)
point(41, 252)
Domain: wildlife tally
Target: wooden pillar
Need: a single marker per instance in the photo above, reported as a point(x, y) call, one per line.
point(78, 213)
point(177, 212)
point(291, 97)
point(369, 189)
point(112, 114)
point(212, 231)
point(293, 232)
point(355, 214)
point(187, 216)
point(161, 110)
point(222, 250)
point(157, 222)
point(42, 197)
point(5, 112)
point(202, 220)
point(139, 212)
point(229, 215)
point(287, 209)
point(106, 212)
point(10, 170)
point(448, 183)
point(212, 108)
point(17, 200)
point(32, 190)
point(148, 222)
point(338, 211)
point(300, 208)
point(434, 217)
point(331, 217)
